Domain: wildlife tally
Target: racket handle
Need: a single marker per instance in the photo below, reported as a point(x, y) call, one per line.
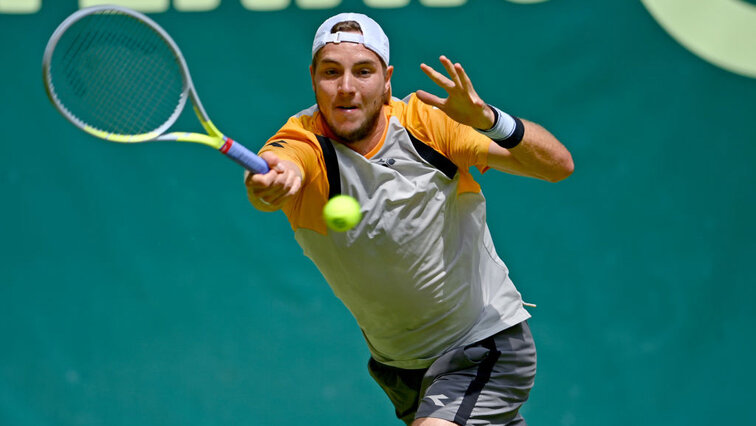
point(244, 157)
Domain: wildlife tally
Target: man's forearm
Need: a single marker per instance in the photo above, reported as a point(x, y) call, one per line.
point(537, 154)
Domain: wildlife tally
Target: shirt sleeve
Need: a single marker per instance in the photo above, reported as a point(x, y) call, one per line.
point(296, 143)
point(466, 146)
point(460, 143)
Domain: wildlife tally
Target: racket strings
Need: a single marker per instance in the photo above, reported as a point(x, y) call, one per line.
point(129, 76)
point(117, 74)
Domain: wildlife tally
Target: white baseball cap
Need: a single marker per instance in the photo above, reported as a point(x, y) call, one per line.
point(372, 35)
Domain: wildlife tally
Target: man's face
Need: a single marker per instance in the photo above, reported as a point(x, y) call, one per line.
point(350, 88)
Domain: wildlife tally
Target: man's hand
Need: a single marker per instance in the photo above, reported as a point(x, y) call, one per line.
point(463, 104)
point(270, 191)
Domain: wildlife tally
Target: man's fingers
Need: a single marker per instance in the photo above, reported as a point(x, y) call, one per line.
point(274, 186)
point(430, 99)
point(261, 180)
point(270, 158)
point(450, 69)
point(437, 77)
point(283, 189)
point(464, 78)
point(295, 188)
point(295, 185)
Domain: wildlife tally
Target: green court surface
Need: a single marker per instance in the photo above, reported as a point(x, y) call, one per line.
point(139, 287)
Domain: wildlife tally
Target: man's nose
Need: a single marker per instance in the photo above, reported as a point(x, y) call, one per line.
point(346, 84)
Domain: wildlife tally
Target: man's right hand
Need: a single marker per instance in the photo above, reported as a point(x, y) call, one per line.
point(270, 191)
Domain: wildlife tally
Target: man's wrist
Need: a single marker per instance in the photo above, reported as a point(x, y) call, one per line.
point(490, 114)
point(507, 130)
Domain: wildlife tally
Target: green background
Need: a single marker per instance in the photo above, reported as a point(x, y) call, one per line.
point(139, 287)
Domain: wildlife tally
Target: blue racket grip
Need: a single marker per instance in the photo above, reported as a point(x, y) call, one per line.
point(244, 157)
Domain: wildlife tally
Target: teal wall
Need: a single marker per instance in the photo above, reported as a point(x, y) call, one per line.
point(138, 287)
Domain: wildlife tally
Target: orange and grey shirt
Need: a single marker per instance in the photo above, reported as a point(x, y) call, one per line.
point(419, 272)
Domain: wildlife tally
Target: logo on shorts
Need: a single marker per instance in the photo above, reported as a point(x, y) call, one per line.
point(437, 399)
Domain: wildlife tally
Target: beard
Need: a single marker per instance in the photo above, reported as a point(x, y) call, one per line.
point(368, 125)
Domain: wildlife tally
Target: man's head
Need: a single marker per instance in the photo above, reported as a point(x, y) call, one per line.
point(350, 74)
point(354, 28)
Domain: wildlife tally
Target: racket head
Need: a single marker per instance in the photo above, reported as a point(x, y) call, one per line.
point(116, 74)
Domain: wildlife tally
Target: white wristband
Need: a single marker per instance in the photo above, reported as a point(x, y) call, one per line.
point(504, 125)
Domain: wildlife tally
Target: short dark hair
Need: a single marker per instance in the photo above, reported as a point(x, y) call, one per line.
point(346, 27)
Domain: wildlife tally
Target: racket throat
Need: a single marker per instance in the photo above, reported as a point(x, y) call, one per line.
point(227, 144)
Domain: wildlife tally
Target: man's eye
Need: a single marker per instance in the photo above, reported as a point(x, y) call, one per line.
point(365, 72)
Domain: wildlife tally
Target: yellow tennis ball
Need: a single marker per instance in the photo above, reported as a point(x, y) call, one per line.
point(342, 213)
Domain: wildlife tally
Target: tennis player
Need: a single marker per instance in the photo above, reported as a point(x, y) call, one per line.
point(445, 325)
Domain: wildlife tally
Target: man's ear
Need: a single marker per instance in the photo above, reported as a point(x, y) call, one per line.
point(389, 73)
point(312, 77)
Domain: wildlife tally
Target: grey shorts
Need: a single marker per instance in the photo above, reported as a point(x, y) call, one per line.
point(484, 383)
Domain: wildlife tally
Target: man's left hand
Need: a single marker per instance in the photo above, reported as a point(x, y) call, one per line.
point(463, 104)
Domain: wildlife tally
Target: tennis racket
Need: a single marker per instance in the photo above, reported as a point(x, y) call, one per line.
point(117, 75)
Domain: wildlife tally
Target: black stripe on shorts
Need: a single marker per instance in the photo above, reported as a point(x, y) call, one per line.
point(476, 386)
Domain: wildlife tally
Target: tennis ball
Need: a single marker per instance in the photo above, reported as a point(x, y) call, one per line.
point(342, 213)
